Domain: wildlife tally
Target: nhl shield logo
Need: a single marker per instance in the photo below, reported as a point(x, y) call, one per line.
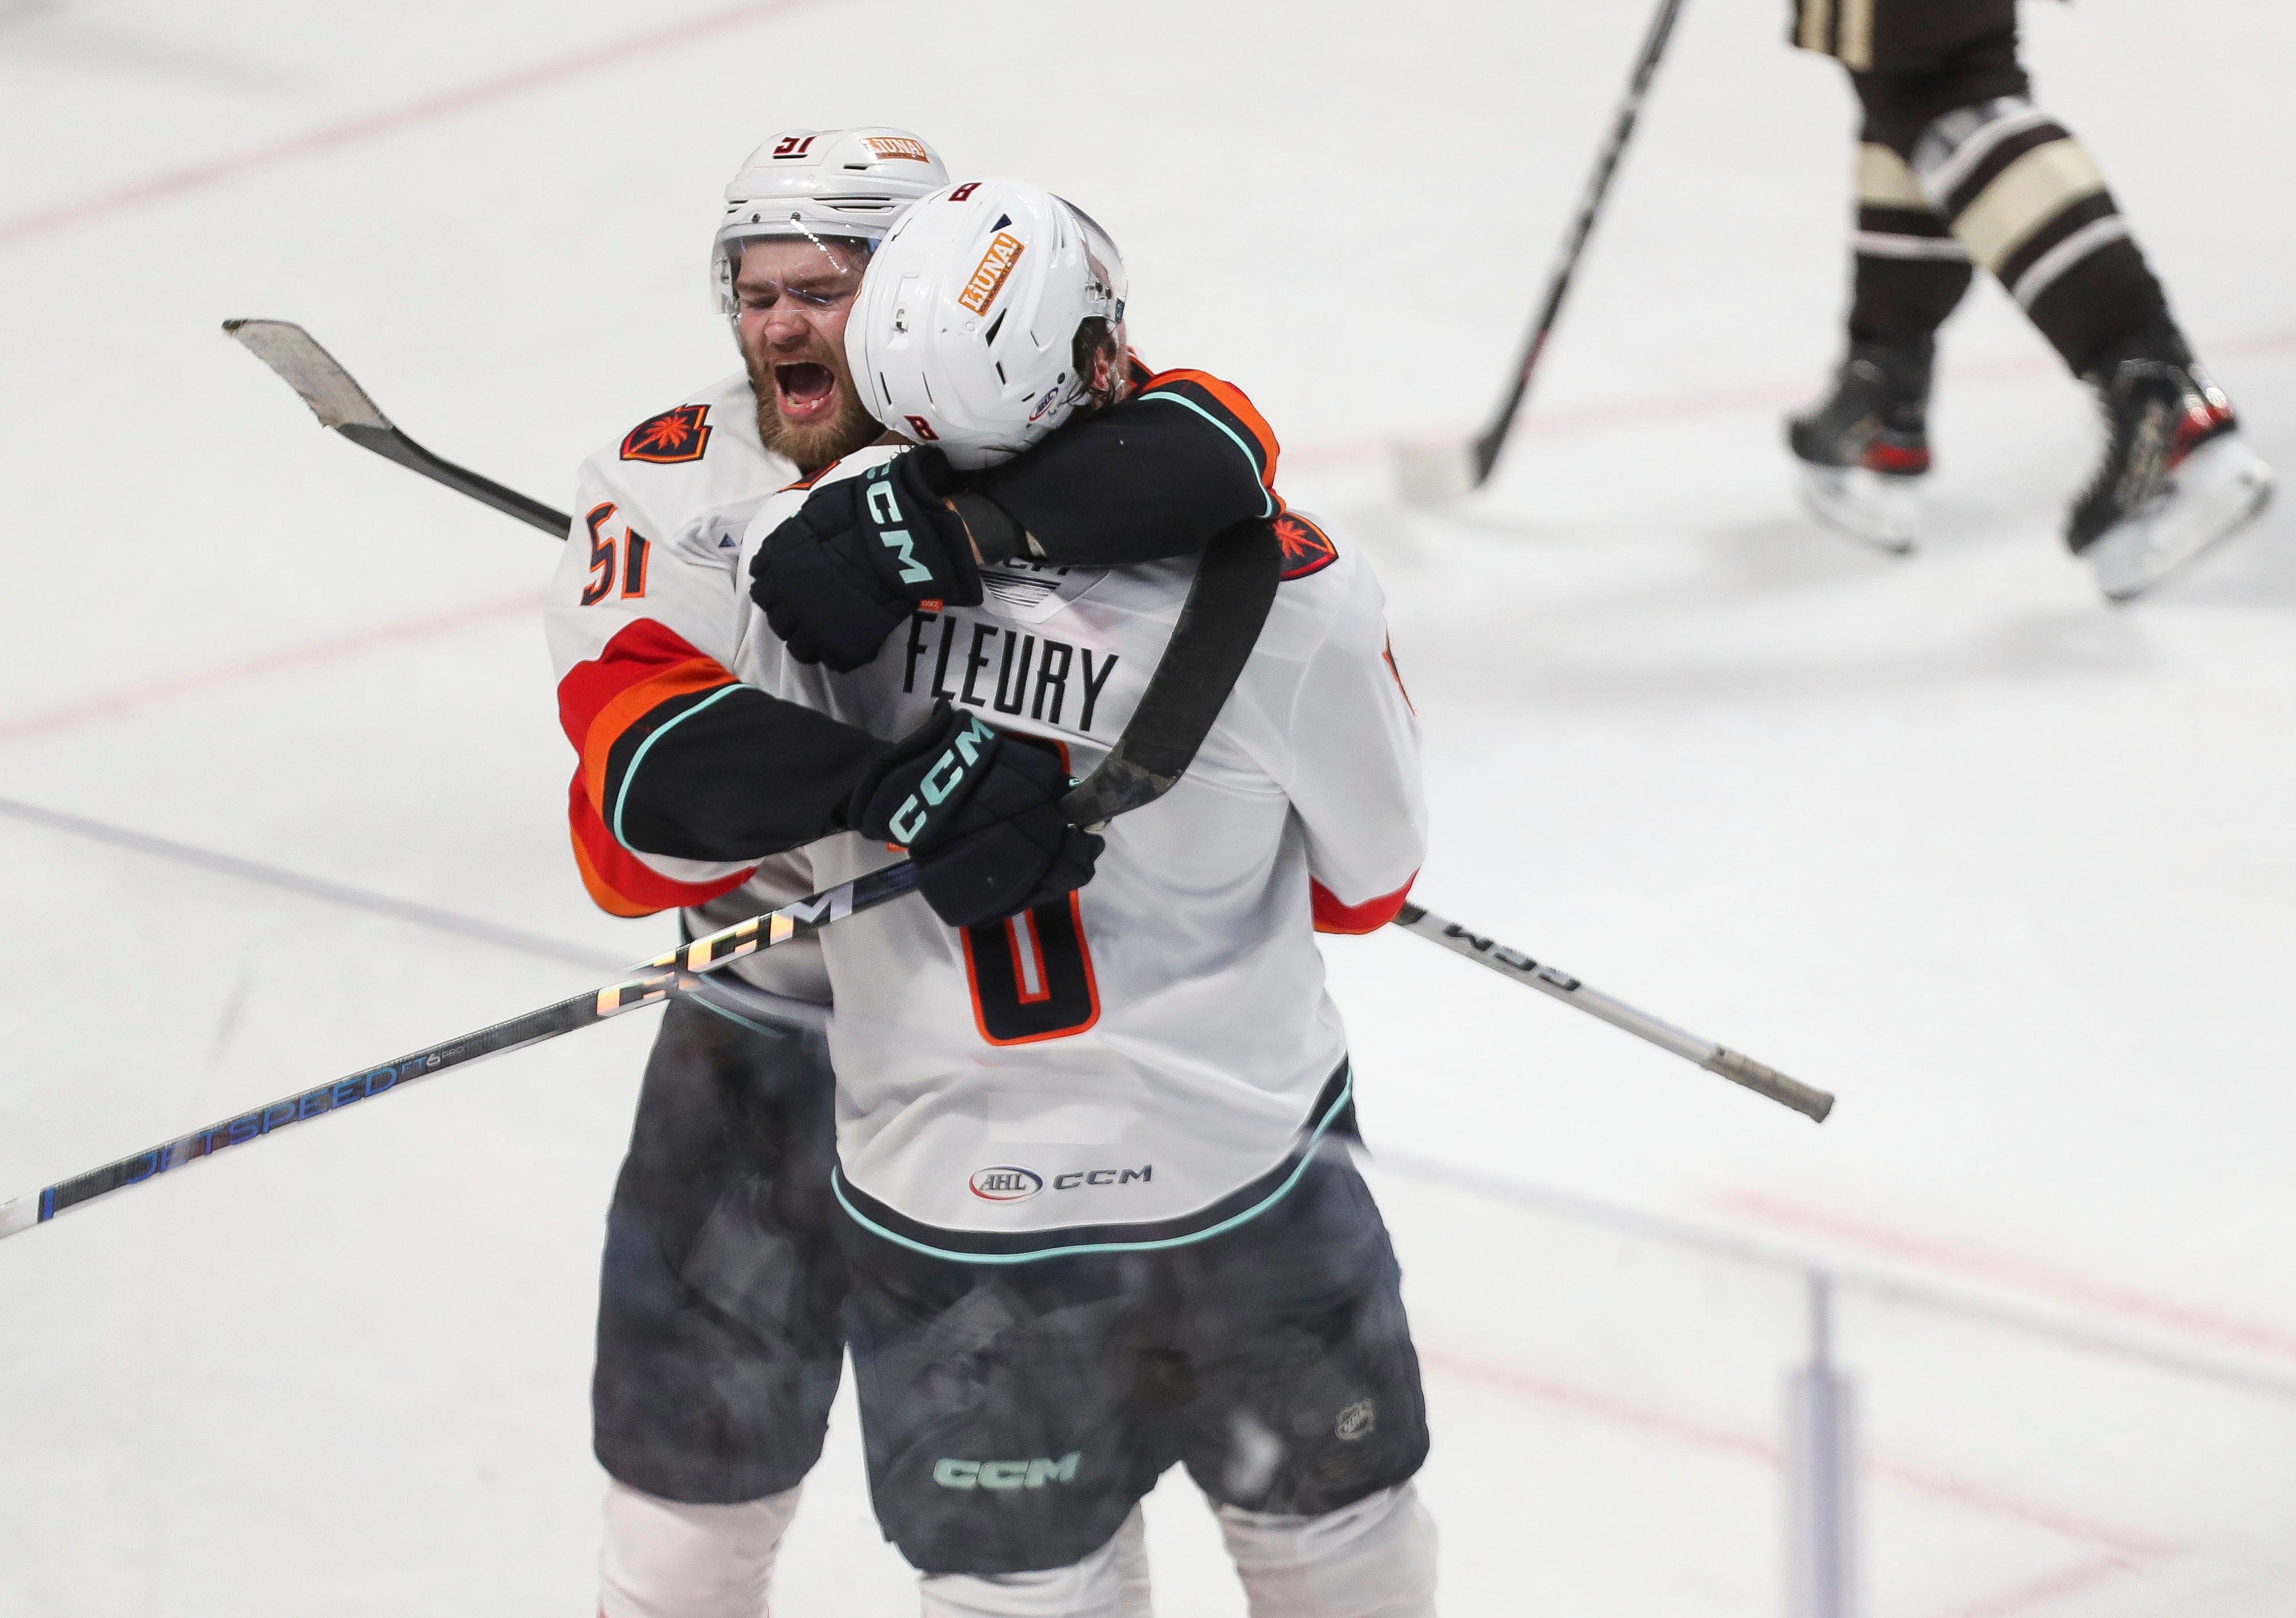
point(1357, 1423)
point(671, 438)
point(1307, 548)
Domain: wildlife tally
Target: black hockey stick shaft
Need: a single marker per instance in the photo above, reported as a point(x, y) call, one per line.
point(1757, 1077)
point(340, 403)
point(1590, 206)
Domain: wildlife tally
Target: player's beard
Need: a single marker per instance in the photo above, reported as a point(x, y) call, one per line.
point(811, 445)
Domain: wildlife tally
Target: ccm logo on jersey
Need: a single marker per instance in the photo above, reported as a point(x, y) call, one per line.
point(1005, 1183)
point(671, 438)
point(988, 276)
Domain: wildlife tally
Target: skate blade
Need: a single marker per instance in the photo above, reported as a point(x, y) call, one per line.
point(2218, 491)
point(1883, 511)
point(1435, 473)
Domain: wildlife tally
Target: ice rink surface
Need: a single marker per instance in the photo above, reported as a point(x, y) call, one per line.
point(2006, 868)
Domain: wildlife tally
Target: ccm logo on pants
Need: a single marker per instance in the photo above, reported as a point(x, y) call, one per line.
point(1006, 1474)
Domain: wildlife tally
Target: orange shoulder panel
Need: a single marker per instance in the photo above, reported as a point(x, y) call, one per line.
point(1232, 400)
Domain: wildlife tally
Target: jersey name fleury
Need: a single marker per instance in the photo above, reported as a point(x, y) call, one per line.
point(1144, 1062)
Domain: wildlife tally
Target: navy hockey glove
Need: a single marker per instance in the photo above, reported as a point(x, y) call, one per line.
point(979, 813)
point(855, 561)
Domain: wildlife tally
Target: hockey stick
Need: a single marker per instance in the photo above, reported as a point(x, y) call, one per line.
point(1812, 1104)
point(340, 403)
point(1430, 473)
point(1236, 574)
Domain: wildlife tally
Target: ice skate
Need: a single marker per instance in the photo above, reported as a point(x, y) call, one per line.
point(1864, 449)
point(2176, 479)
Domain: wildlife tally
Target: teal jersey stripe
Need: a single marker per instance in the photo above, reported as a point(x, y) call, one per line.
point(837, 1184)
point(1258, 470)
point(645, 747)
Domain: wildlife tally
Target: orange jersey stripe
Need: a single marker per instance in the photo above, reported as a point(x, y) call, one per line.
point(617, 881)
point(679, 679)
point(1232, 398)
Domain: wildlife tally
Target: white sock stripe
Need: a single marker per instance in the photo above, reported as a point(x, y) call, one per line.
point(2025, 197)
point(1875, 245)
point(2065, 254)
point(1946, 155)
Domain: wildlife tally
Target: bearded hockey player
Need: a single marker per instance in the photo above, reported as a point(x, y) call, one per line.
point(1097, 1219)
point(1959, 169)
point(718, 1343)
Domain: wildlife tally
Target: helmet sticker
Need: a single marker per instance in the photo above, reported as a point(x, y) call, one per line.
point(989, 277)
point(897, 145)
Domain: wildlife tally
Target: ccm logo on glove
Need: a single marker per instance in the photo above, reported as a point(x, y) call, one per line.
point(945, 776)
point(861, 554)
point(980, 812)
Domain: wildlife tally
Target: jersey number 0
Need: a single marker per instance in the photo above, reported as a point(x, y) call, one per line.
point(1031, 976)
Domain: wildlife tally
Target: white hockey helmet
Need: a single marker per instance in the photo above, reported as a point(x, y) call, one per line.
point(850, 184)
point(965, 334)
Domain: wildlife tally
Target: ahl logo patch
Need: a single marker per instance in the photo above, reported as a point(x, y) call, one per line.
point(1006, 1184)
point(671, 438)
point(1307, 548)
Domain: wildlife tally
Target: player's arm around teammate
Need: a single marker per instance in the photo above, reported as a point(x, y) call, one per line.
point(1098, 1223)
point(718, 1348)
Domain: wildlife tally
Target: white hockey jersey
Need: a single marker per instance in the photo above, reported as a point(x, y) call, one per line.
point(1149, 1060)
point(678, 481)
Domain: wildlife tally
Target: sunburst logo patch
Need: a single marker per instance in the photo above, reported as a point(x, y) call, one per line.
point(1307, 548)
point(671, 438)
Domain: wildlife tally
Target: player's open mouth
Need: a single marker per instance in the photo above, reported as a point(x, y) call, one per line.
point(805, 391)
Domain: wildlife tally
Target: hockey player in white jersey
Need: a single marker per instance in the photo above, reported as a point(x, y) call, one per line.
point(1090, 1091)
point(719, 1345)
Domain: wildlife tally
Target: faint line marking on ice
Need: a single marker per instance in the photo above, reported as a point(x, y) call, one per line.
point(2036, 1275)
point(721, 992)
point(1735, 400)
point(198, 176)
point(1982, 1499)
point(2081, 1575)
point(121, 700)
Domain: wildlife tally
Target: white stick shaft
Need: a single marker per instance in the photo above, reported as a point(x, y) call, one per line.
point(1720, 1059)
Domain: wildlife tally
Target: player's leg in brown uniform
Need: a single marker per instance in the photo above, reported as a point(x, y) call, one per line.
point(1958, 170)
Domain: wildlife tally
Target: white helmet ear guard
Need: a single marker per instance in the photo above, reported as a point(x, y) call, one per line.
point(846, 184)
point(965, 334)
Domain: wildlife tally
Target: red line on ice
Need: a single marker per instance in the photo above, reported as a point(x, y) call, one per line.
point(1982, 1499)
point(124, 700)
point(199, 176)
point(2046, 1588)
point(2038, 1274)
